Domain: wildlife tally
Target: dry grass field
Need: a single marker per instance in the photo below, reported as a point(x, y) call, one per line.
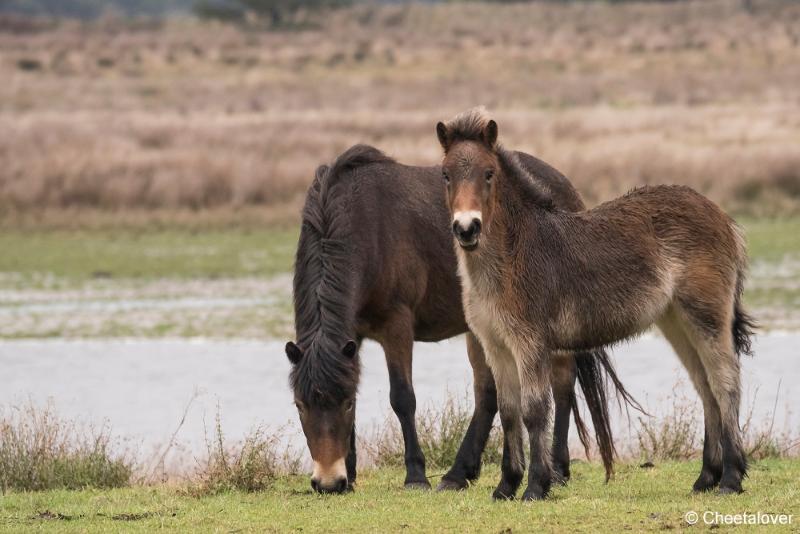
point(188, 120)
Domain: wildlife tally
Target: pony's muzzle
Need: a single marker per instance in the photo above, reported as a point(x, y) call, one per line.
point(331, 479)
point(466, 230)
point(338, 485)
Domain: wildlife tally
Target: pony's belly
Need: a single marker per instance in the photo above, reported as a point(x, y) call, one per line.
point(586, 333)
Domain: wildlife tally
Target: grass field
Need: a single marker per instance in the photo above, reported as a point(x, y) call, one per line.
point(75, 256)
point(654, 499)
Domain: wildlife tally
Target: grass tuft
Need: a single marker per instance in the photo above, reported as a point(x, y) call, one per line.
point(250, 465)
point(41, 451)
point(677, 434)
point(673, 436)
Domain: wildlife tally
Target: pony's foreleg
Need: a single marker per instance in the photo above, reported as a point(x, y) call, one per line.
point(534, 377)
point(506, 378)
point(563, 379)
point(467, 465)
point(397, 342)
point(350, 461)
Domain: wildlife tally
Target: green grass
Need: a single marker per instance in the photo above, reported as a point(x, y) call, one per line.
point(80, 255)
point(77, 255)
point(638, 500)
point(771, 240)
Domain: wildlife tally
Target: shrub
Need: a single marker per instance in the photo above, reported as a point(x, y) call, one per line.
point(673, 436)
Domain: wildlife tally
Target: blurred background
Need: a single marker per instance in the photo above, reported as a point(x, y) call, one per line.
point(154, 156)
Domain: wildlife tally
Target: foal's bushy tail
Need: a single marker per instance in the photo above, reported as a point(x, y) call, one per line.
point(744, 324)
point(593, 370)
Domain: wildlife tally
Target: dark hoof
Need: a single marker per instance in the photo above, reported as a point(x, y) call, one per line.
point(536, 492)
point(730, 490)
point(502, 494)
point(419, 485)
point(451, 485)
point(702, 489)
point(533, 495)
point(560, 477)
point(704, 483)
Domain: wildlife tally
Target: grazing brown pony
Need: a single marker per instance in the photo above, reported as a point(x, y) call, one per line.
point(538, 280)
point(375, 260)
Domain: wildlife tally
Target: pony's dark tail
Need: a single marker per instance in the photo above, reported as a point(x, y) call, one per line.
point(593, 370)
point(744, 324)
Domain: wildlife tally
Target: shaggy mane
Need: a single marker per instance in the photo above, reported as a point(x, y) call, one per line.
point(532, 189)
point(468, 125)
point(324, 313)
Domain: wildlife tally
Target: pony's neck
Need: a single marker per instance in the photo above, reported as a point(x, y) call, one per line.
point(510, 213)
point(515, 222)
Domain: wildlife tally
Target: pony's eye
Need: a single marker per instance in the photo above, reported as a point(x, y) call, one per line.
point(349, 406)
point(446, 178)
point(489, 175)
point(299, 405)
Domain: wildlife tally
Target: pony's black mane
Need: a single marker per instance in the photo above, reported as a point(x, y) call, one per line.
point(532, 189)
point(323, 299)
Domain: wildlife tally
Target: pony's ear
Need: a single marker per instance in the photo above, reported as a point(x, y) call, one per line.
point(350, 349)
point(490, 133)
point(441, 133)
point(294, 353)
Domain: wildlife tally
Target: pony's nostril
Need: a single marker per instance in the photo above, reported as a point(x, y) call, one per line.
point(315, 485)
point(469, 233)
point(341, 485)
point(476, 226)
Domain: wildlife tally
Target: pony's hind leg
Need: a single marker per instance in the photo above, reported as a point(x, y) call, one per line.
point(467, 465)
point(563, 374)
point(723, 371)
point(506, 378)
point(711, 472)
point(534, 376)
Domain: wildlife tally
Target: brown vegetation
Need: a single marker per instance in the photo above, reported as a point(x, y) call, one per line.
point(202, 117)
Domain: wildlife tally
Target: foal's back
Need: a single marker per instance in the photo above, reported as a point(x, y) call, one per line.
point(625, 262)
point(674, 217)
